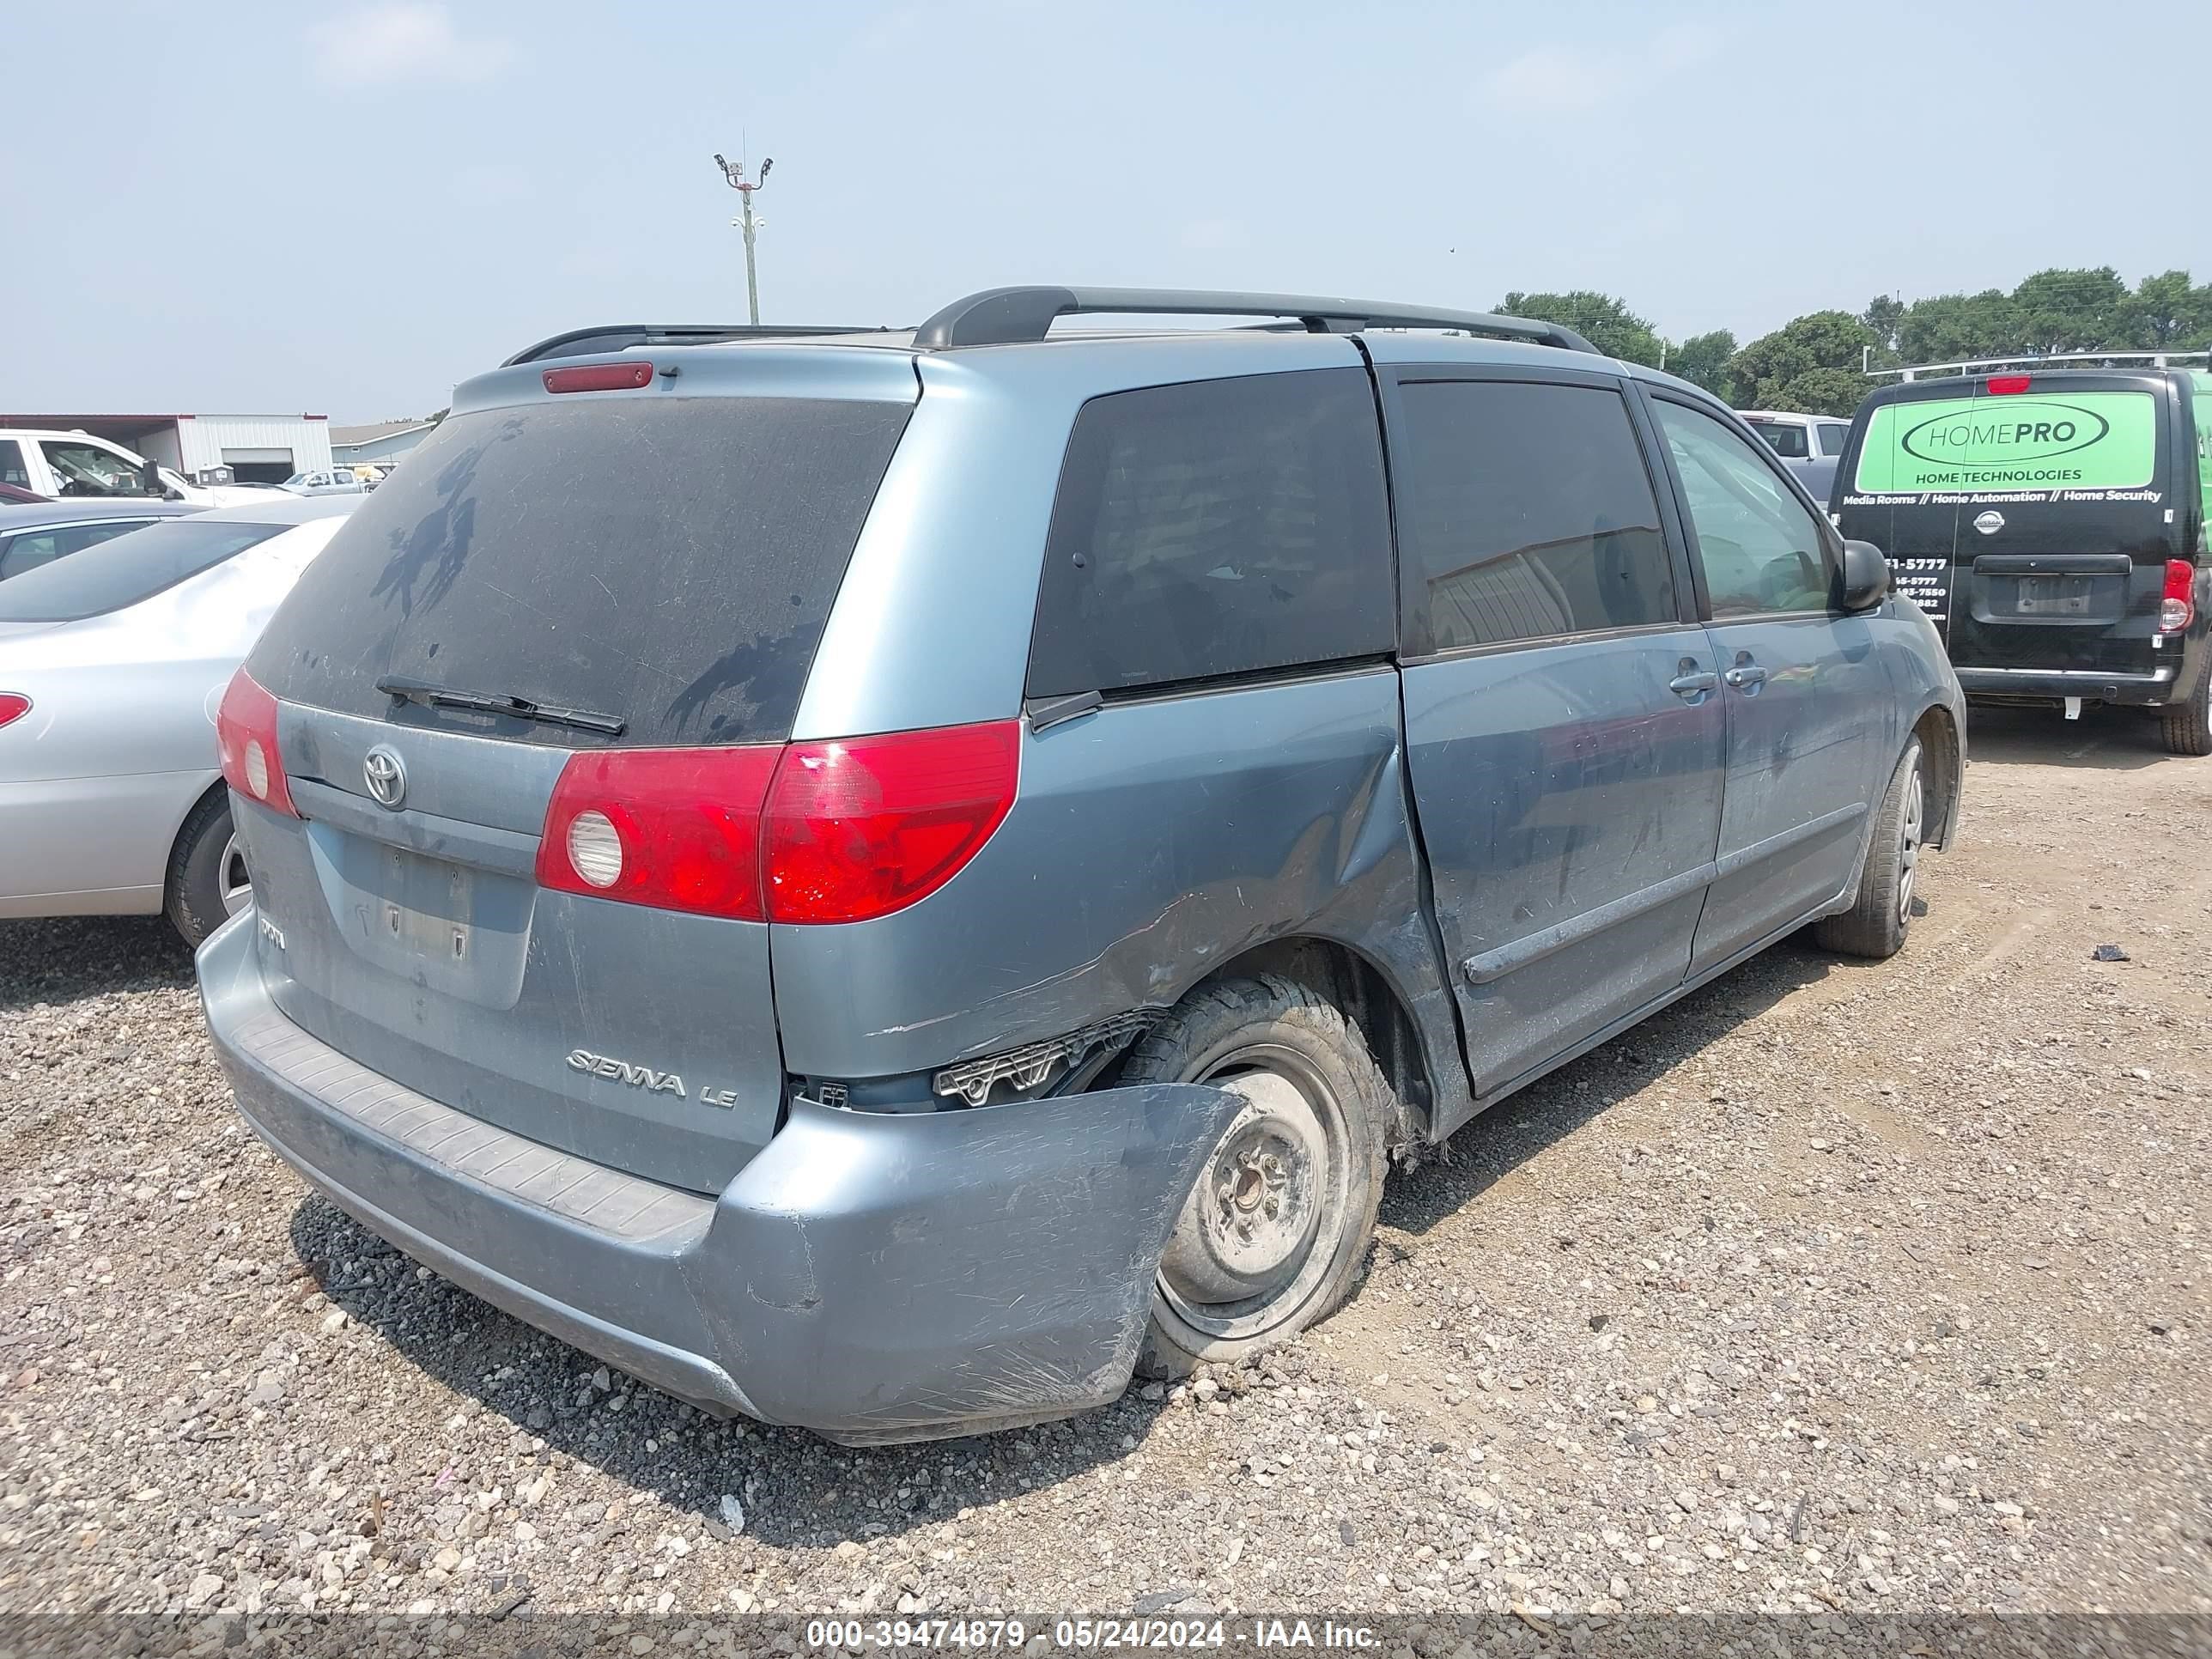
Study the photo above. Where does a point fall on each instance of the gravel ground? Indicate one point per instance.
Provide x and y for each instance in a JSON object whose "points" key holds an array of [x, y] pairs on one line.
{"points": [[1838, 1285]]}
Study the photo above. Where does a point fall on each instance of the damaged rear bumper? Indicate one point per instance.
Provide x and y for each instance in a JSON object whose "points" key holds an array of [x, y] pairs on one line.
{"points": [[873, 1278]]}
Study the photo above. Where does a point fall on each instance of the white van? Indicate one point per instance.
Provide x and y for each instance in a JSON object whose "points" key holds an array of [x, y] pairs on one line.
{"points": [[75, 465]]}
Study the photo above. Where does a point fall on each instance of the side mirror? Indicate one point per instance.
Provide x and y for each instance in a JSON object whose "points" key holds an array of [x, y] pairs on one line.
{"points": [[1866, 576]]}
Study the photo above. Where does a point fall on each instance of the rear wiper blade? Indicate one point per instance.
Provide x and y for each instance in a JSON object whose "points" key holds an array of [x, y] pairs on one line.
{"points": [[484, 702]]}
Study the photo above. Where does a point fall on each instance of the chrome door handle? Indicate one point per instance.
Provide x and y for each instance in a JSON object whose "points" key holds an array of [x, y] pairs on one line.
{"points": [[1745, 676], [1693, 685]]}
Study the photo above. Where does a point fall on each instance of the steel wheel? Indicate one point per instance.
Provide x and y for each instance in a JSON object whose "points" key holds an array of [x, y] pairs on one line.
{"points": [[231, 879], [1908, 843], [1260, 1230]]}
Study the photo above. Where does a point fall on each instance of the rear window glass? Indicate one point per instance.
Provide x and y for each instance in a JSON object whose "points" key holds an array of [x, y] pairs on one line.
{"points": [[1525, 512], [1218, 527], [1785, 440], [127, 569], [2062, 440], [669, 561]]}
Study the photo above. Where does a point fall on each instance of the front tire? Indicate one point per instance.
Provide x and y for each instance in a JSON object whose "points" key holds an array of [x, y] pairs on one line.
{"points": [[1876, 924], [208, 883], [1274, 1232], [2187, 725]]}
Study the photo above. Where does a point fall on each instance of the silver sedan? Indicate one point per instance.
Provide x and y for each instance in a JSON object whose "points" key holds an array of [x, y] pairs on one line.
{"points": [[112, 663]]}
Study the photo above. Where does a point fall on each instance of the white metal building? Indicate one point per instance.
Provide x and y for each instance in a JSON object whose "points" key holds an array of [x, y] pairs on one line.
{"points": [[258, 449], [384, 440]]}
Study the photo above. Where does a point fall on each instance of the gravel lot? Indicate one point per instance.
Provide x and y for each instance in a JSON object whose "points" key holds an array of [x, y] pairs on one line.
{"points": [[1837, 1285]]}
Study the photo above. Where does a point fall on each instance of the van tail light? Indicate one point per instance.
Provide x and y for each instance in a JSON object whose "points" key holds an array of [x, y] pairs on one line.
{"points": [[675, 829], [805, 832], [2179, 608], [246, 739], [13, 706], [2002, 385]]}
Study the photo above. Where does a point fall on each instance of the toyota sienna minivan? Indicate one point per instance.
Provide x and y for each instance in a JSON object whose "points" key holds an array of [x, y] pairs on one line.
{"points": [[882, 883]]}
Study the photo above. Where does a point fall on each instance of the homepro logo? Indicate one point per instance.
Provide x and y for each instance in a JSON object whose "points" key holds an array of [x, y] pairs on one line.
{"points": [[2025, 432]]}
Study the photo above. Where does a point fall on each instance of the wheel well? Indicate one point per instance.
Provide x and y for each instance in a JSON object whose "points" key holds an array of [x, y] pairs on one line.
{"points": [[1940, 751], [177, 835], [1358, 988]]}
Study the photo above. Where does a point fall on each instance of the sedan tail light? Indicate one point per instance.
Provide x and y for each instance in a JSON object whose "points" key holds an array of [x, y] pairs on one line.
{"points": [[806, 832], [13, 706], [2179, 608], [246, 739]]}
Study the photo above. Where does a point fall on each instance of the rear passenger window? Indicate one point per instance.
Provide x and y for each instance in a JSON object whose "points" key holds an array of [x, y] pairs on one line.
{"points": [[1525, 512], [1218, 527]]}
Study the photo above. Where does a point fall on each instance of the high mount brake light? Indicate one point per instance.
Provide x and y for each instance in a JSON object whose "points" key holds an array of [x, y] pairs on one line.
{"points": [[805, 832], [2005, 386], [13, 706], [600, 377], [2178, 608], [246, 740]]}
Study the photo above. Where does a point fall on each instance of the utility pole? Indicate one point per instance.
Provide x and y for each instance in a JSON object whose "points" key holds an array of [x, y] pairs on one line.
{"points": [[734, 173]]}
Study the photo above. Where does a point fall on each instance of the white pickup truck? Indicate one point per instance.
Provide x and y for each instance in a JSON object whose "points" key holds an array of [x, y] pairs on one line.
{"points": [[75, 465]]}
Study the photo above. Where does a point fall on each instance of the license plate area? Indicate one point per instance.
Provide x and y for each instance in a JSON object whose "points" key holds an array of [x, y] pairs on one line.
{"points": [[428, 906], [2055, 596]]}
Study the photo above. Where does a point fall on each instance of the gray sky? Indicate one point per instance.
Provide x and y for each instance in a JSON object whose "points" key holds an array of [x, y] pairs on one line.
{"points": [[245, 207]]}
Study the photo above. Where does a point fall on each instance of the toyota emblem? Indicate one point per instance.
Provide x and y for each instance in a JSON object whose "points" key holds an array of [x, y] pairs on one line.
{"points": [[386, 775]]}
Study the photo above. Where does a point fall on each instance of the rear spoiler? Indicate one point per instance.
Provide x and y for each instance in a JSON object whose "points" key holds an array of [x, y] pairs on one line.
{"points": [[621, 336]]}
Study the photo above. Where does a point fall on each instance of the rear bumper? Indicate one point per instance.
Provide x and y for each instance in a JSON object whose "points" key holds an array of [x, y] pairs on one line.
{"points": [[870, 1278], [2163, 685]]}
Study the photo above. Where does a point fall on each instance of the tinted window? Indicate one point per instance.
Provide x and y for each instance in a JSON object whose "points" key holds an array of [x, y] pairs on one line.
{"points": [[1832, 433], [1220, 527], [127, 569], [668, 561], [1784, 440], [1759, 546], [33, 548], [1524, 511], [13, 469]]}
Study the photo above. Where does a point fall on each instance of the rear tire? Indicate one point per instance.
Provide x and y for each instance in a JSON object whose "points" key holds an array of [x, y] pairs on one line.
{"points": [[1876, 924], [207, 883], [2187, 725], [1276, 1228]]}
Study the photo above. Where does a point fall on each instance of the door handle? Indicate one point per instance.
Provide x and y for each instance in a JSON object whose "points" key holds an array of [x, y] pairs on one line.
{"points": [[1746, 675], [1693, 685]]}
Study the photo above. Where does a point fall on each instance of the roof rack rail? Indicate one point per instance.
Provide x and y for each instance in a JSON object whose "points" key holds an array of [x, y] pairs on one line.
{"points": [[2034, 359], [620, 337], [1007, 316]]}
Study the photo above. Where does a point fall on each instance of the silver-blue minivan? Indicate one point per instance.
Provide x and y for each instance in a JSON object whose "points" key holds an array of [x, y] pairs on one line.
{"points": [[883, 881]]}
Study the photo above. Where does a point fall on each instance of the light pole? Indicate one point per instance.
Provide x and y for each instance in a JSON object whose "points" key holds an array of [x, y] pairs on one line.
{"points": [[734, 171]]}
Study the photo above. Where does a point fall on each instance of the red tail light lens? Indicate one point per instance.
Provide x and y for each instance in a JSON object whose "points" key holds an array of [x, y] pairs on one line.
{"points": [[869, 826], [600, 377], [13, 706], [2003, 386], [246, 739], [810, 832], [676, 828], [2179, 608]]}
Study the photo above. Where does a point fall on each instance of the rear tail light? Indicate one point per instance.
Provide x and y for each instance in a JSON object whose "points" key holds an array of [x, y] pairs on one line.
{"points": [[246, 739], [600, 377], [2179, 608], [2002, 385], [809, 832], [675, 829], [13, 706]]}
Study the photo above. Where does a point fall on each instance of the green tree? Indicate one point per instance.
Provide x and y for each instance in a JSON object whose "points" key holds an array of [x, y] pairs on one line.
{"points": [[1950, 328], [2166, 313], [1703, 360], [2073, 311], [1883, 315], [1811, 364], [1606, 323]]}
